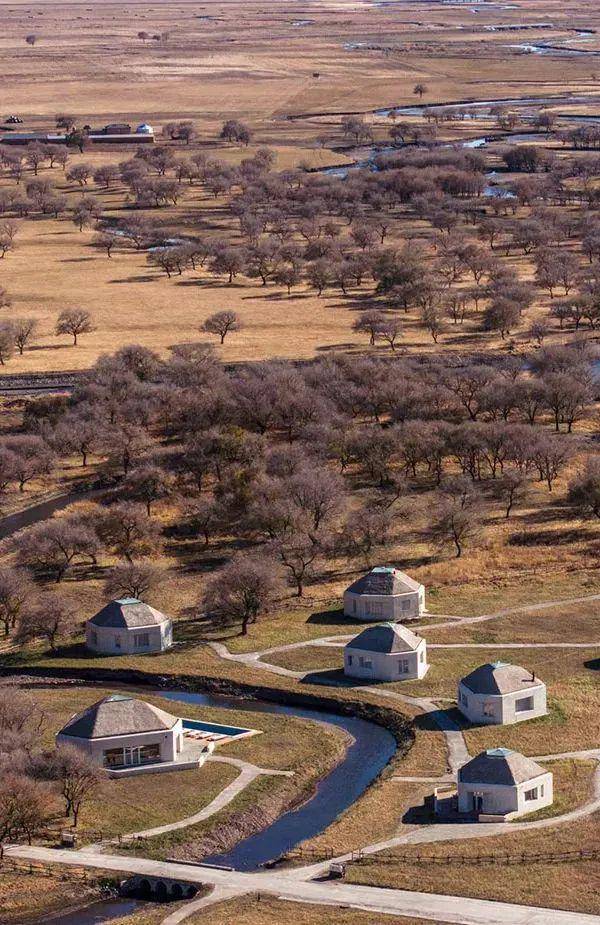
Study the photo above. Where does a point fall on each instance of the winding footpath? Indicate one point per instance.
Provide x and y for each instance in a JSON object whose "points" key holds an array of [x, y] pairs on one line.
{"points": [[299, 884], [248, 773]]}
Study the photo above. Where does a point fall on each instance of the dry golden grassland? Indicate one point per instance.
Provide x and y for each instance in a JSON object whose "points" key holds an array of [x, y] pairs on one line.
{"points": [[567, 885], [135, 803], [267, 910], [239, 60], [33, 897]]}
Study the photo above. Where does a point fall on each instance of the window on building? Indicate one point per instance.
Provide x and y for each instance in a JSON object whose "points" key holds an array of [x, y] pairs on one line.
{"points": [[376, 608], [531, 794], [541, 790], [117, 642], [524, 704], [464, 699], [354, 605], [403, 666], [113, 757], [349, 659], [365, 662], [94, 636], [141, 640], [406, 604], [488, 709], [149, 753], [422, 655]]}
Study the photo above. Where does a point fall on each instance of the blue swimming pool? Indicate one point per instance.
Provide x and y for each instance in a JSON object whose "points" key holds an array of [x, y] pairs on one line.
{"points": [[231, 731]]}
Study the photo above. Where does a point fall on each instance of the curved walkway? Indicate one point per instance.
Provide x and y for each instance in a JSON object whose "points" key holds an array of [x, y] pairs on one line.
{"points": [[248, 773]]}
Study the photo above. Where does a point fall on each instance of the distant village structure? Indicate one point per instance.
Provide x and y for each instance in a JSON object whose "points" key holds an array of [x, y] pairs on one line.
{"points": [[389, 652], [500, 784], [384, 593], [501, 694], [128, 627], [114, 133]]}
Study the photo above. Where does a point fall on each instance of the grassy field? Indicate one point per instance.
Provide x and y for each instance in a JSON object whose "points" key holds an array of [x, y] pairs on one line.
{"points": [[563, 885], [134, 803]]}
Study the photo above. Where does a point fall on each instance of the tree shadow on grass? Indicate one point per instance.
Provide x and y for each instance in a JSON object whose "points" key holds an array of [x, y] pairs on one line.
{"points": [[142, 278], [332, 618]]}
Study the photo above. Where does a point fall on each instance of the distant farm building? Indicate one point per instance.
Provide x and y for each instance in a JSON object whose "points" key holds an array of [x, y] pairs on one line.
{"points": [[113, 133], [385, 593], [502, 694], [501, 784], [388, 652], [128, 627]]}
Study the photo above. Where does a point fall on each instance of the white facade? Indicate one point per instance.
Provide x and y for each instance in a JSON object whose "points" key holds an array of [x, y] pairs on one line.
{"points": [[504, 800], [128, 641], [502, 709], [128, 627], [386, 666], [130, 750]]}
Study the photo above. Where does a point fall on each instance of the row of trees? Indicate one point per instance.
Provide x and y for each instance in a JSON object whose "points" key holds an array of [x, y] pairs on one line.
{"points": [[35, 782], [304, 464]]}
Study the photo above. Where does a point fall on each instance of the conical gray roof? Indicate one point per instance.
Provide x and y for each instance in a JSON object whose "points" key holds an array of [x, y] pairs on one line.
{"points": [[387, 638], [128, 613], [499, 766], [500, 678], [117, 715], [384, 580]]}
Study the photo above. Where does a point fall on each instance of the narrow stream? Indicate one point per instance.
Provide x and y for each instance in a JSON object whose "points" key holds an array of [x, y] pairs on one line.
{"points": [[371, 749]]}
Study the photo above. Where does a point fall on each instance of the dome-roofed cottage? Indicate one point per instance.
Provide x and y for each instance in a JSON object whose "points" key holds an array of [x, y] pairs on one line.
{"points": [[120, 732], [501, 693], [144, 129], [501, 782], [388, 652], [384, 593], [126, 627]]}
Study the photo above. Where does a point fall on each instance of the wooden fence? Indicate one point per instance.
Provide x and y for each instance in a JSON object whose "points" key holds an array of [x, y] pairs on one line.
{"points": [[358, 857]]}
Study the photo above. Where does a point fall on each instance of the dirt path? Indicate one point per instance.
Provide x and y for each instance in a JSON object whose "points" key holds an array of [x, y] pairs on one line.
{"points": [[248, 773]]}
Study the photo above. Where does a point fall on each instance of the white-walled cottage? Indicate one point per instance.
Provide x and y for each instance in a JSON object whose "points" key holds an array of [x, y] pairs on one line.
{"points": [[388, 652], [500, 693], [502, 783], [121, 733], [385, 593], [128, 627]]}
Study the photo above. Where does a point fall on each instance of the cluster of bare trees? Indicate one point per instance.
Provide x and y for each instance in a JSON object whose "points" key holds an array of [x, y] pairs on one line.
{"points": [[301, 464], [39, 789]]}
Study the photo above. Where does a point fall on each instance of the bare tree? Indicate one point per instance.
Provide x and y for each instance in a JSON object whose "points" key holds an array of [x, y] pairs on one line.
{"points": [[78, 777], [148, 484], [32, 457], [55, 545], [50, 620], [242, 590], [74, 321], [24, 331], [132, 579], [126, 528], [584, 488], [221, 323], [16, 590]]}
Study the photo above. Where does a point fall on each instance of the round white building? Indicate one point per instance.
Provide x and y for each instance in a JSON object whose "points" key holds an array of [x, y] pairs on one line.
{"points": [[126, 627], [503, 784], [388, 652], [498, 693], [384, 593]]}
